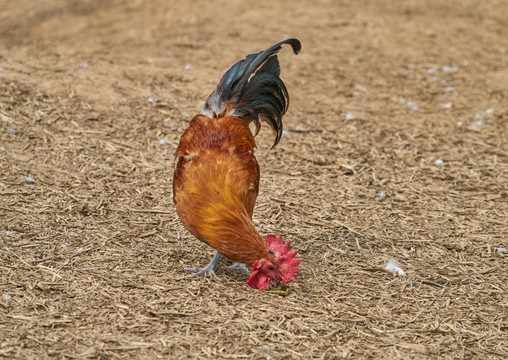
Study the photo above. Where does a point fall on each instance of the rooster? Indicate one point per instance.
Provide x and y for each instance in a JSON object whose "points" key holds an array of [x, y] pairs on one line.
{"points": [[216, 179]]}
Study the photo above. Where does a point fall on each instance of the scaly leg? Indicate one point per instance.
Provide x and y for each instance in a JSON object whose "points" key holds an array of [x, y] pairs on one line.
{"points": [[238, 266], [208, 269]]}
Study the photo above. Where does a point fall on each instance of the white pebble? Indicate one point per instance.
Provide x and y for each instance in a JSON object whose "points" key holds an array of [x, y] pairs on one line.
{"points": [[447, 105], [298, 128], [9, 232], [265, 347], [439, 162], [501, 250], [187, 67], [350, 116], [489, 111], [413, 106], [449, 69], [431, 71], [286, 132], [459, 123], [29, 179], [7, 297], [150, 100], [479, 121], [2, 69], [392, 266], [382, 195], [448, 89], [4, 118], [163, 141], [84, 65], [80, 250]]}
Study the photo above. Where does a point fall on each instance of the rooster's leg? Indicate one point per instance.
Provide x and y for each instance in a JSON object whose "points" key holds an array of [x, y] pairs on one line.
{"points": [[238, 266], [208, 269]]}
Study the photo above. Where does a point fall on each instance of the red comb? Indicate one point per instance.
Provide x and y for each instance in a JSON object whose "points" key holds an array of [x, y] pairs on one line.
{"points": [[288, 264]]}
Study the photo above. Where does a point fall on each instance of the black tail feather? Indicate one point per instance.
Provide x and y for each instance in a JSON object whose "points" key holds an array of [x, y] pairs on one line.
{"points": [[253, 97]]}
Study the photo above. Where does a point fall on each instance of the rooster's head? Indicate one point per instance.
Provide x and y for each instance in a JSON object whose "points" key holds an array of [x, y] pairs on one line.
{"points": [[282, 267]]}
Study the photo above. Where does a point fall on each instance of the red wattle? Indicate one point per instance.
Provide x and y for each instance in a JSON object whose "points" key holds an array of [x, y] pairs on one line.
{"points": [[258, 281]]}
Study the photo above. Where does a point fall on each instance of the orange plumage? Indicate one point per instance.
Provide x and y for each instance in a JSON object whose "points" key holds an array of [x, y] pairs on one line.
{"points": [[216, 184], [216, 180]]}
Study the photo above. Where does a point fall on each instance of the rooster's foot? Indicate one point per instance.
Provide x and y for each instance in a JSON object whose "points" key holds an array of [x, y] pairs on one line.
{"points": [[208, 269]]}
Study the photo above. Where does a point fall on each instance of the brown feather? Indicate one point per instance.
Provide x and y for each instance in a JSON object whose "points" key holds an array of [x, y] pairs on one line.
{"points": [[216, 184]]}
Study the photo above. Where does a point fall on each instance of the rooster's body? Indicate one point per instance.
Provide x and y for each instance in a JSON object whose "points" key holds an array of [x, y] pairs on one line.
{"points": [[216, 180]]}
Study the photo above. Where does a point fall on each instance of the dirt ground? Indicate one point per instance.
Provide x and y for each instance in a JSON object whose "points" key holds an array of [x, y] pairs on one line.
{"points": [[395, 148]]}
